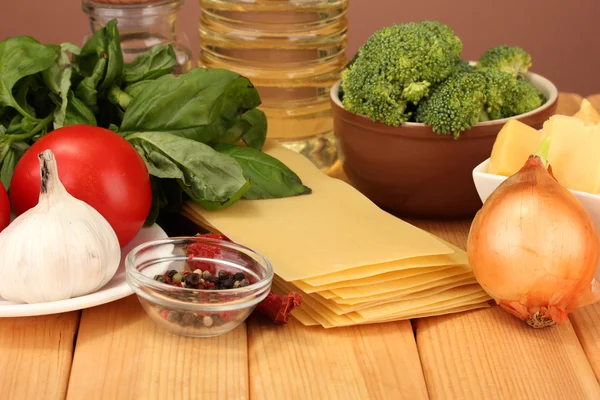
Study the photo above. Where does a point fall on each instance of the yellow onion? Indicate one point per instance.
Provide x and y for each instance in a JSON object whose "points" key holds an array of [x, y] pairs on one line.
{"points": [[533, 246]]}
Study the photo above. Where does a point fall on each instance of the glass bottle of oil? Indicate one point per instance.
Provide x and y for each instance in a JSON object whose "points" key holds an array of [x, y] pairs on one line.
{"points": [[293, 51]]}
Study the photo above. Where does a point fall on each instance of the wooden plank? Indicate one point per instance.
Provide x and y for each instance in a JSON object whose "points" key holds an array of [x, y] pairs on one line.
{"points": [[36, 355], [480, 353], [491, 354], [362, 362], [586, 322], [122, 354]]}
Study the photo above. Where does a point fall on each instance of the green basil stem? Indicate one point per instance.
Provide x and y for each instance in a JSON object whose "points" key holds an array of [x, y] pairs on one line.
{"points": [[119, 97], [24, 113], [98, 72], [14, 129], [542, 151], [41, 125]]}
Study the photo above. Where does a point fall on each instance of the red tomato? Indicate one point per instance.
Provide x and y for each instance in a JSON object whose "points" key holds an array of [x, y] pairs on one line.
{"points": [[95, 165], [4, 208]]}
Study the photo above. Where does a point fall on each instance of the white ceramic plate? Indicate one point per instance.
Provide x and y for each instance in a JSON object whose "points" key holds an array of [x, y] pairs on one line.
{"points": [[115, 289], [486, 183]]}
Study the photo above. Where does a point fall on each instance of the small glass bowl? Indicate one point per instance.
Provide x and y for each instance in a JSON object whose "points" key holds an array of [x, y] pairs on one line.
{"points": [[197, 312]]}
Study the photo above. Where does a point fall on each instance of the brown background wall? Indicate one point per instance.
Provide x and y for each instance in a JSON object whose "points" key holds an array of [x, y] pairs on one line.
{"points": [[562, 36]]}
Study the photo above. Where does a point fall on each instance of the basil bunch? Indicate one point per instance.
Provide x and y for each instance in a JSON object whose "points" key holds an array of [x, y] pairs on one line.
{"points": [[186, 128]]}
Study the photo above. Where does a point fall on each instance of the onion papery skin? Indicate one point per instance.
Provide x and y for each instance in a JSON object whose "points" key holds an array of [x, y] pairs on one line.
{"points": [[534, 248]]}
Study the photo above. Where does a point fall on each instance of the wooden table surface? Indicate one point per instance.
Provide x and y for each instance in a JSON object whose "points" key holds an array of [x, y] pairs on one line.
{"points": [[115, 351]]}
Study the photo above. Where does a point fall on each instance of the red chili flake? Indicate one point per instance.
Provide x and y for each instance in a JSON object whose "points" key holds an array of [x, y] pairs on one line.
{"points": [[204, 250], [278, 308], [209, 285], [226, 315], [164, 314], [219, 236]]}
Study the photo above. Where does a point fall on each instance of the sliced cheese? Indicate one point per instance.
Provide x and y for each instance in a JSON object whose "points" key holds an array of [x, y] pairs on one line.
{"points": [[399, 284], [513, 146], [587, 113], [574, 149], [331, 230], [574, 153]]}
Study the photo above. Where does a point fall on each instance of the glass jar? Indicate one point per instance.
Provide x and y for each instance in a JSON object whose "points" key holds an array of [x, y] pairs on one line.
{"points": [[142, 26], [293, 51]]}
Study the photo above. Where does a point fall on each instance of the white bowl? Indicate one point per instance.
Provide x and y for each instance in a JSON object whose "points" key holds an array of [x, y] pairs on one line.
{"points": [[486, 183]]}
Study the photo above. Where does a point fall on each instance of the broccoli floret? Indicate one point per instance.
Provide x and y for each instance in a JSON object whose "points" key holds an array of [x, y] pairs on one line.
{"points": [[455, 105], [396, 67], [499, 88], [463, 66], [523, 97], [511, 59]]}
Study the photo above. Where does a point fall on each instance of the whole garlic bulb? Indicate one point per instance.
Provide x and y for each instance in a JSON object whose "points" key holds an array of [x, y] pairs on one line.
{"points": [[60, 249]]}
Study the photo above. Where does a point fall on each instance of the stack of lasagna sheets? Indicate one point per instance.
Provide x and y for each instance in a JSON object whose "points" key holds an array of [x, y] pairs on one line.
{"points": [[352, 262]]}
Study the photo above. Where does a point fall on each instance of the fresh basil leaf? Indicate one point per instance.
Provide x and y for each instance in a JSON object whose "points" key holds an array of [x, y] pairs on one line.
{"points": [[207, 174], [270, 177], [20, 92], [10, 154], [213, 205], [152, 64], [86, 89], [20, 125], [76, 112], [4, 146], [100, 62], [158, 164], [159, 201], [200, 105], [6, 115], [136, 88], [39, 96], [115, 64], [257, 134], [9, 162], [20, 57], [119, 97], [71, 48], [58, 79], [251, 127]]}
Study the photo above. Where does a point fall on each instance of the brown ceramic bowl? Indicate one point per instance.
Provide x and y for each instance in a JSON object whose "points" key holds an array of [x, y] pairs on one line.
{"points": [[411, 171]]}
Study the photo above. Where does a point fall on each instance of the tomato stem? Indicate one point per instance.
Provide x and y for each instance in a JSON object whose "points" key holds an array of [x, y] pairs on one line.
{"points": [[543, 149]]}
